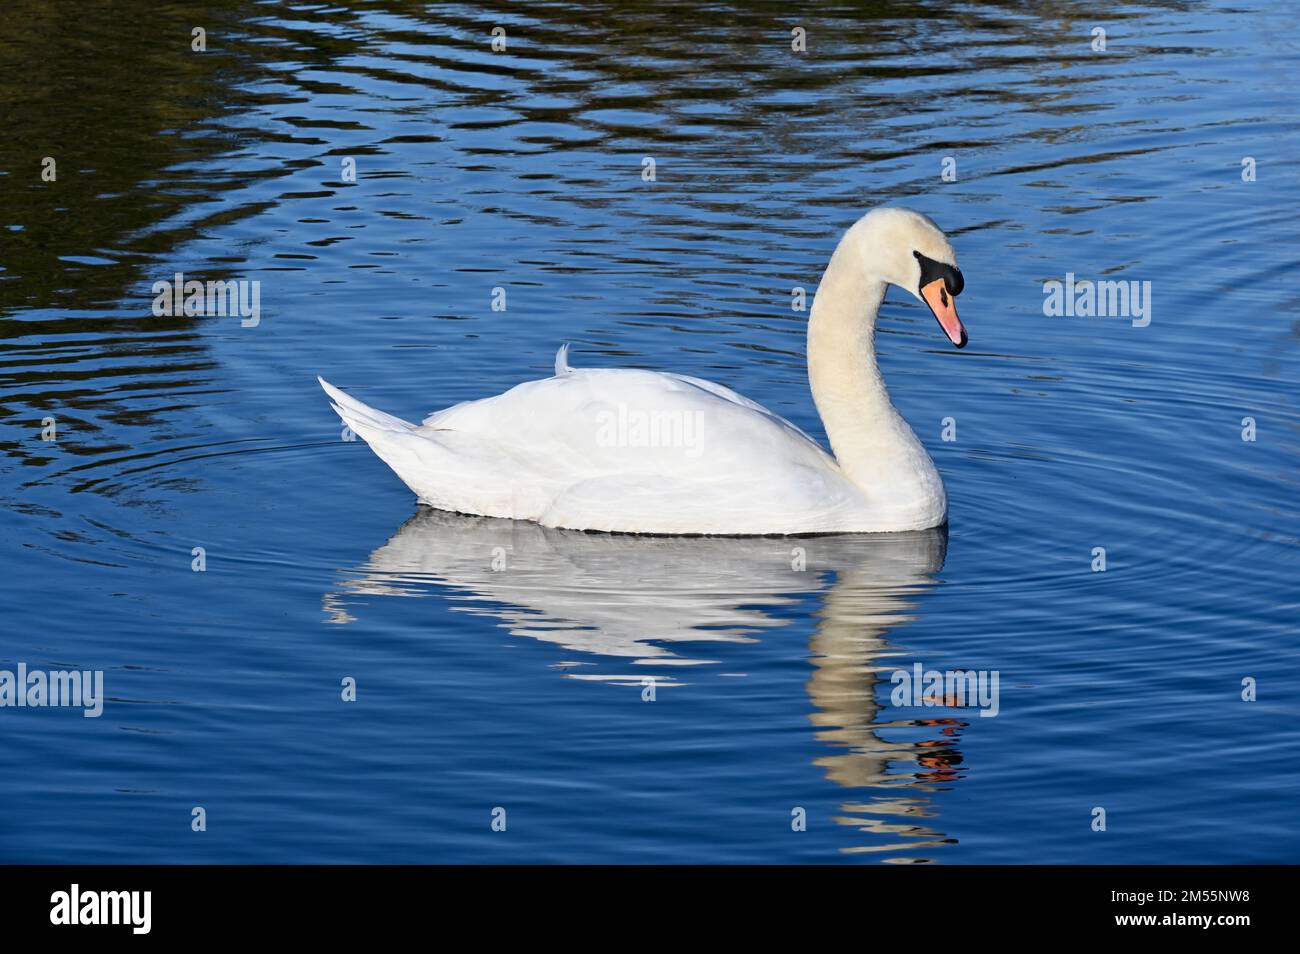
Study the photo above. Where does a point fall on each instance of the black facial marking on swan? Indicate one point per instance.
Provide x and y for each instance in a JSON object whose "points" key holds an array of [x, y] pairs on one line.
{"points": [[931, 270]]}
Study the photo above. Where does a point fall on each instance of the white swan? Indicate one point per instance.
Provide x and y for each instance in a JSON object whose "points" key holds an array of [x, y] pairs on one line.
{"points": [[652, 452]]}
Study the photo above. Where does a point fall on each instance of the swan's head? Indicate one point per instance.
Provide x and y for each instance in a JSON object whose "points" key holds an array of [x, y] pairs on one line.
{"points": [[905, 248]]}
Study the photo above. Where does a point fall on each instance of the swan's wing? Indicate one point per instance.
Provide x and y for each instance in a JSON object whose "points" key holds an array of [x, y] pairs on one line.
{"points": [[589, 423], [623, 449], [730, 395]]}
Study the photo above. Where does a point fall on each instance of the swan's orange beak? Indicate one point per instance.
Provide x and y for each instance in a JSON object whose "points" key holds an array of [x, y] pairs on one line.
{"points": [[944, 307]]}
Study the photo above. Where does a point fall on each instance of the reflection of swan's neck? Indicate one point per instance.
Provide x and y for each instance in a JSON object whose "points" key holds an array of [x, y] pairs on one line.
{"points": [[849, 636], [873, 444], [849, 648]]}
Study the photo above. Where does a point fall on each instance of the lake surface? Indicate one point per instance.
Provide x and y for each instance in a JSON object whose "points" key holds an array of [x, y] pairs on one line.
{"points": [[523, 687]]}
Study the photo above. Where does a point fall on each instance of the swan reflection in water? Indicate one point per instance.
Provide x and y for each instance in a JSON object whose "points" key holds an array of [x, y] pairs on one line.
{"points": [[650, 606]]}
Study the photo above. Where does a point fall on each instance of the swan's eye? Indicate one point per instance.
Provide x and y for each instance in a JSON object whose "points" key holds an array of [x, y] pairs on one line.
{"points": [[932, 271]]}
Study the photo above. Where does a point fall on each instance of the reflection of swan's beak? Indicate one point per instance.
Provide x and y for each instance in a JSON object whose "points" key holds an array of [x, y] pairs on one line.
{"points": [[944, 307]]}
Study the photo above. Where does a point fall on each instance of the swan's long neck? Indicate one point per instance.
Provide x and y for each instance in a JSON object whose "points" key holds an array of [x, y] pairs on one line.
{"points": [[875, 447]]}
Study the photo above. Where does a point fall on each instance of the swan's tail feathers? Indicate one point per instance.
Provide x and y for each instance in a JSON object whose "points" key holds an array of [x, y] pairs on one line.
{"points": [[562, 360], [396, 442], [364, 420]]}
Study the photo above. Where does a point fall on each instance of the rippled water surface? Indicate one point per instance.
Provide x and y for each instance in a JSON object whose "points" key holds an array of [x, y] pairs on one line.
{"points": [[522, 687]]}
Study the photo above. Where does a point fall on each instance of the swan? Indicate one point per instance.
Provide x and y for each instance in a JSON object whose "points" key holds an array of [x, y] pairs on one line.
{"points": [[633, 451]]}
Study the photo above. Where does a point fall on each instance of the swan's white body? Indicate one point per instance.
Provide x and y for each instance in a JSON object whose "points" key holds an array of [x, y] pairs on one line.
{"points": [[650, 452]]}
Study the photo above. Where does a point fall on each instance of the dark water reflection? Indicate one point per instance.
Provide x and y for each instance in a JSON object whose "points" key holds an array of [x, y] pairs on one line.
{"points": [[522, 171]]}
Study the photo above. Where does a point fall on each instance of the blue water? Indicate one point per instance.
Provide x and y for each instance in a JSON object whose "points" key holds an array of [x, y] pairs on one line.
{"points": [[522, 687]]}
